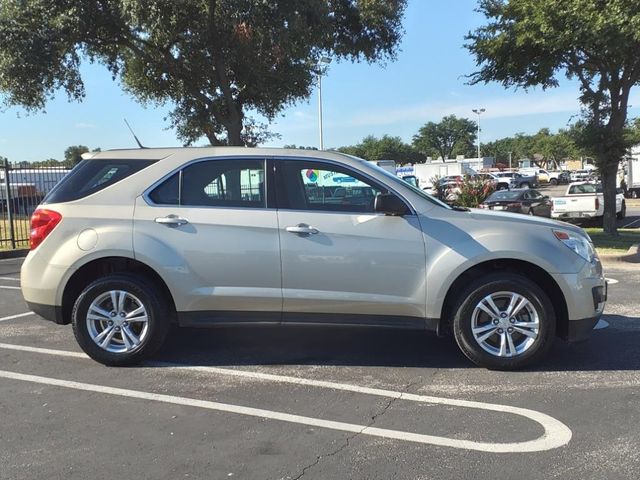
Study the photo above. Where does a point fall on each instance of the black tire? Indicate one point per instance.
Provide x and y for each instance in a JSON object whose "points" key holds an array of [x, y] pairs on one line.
{"points": [[158, 315], [530, 212], [634, 193], [491, 284], [623, 211], [553, 182]]}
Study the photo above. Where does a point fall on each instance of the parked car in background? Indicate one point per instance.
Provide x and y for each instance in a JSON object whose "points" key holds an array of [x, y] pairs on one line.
{"points": [[563, 178], [541, 174], [498, 183], [554, 177], [134, 241], [581, 175], [518, 180], [585, 201], [527, 201]]}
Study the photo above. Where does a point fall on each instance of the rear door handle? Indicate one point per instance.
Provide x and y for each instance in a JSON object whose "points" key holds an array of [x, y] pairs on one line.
{"points": [[172, 220], [302, 229]]}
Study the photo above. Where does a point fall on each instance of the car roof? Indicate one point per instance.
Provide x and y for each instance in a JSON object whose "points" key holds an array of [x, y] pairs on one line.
{"points": [[199, 152]]}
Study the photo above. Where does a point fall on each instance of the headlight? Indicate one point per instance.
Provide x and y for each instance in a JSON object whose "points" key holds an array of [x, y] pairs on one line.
{"points": [[578, 243]]}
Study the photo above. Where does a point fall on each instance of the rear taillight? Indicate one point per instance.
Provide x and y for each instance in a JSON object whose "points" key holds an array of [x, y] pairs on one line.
{"points": [[597, 203], [42, 224]]}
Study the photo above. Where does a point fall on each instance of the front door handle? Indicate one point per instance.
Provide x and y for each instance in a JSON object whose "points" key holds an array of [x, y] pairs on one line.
{"points": [[302, 229], [172, 220]]}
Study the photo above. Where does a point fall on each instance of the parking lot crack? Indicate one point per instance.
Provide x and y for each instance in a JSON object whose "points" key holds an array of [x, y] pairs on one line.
{"points": [[349, 438]]}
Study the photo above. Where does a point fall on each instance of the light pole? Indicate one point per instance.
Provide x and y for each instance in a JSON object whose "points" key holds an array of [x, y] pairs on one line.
{"points": [[478, 111], [321, 69]]}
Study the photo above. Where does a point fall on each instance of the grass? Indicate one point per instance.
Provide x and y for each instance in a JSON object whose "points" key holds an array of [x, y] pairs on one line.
{"points": [[608, 244], [21, 227]]}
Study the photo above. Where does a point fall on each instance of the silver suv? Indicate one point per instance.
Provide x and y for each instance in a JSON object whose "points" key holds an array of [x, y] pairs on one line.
{"points": [[132, 241]]}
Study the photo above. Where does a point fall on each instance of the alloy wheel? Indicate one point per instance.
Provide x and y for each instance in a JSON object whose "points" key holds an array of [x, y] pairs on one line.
{"points": [[505, 324], [117, 321]]}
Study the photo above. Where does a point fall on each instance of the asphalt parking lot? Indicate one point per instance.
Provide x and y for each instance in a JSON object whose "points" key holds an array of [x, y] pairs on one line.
{"points": [[318, 403]]}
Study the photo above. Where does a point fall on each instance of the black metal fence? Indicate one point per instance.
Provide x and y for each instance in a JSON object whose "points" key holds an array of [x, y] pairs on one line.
{"points": [[22, 188]]}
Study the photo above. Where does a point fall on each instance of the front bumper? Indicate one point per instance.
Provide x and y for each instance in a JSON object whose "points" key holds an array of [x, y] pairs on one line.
{"points": [[581, 329], [585, 295]]}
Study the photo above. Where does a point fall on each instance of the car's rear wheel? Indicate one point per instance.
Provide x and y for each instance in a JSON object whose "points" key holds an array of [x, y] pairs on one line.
{"points": [[120, 320], [504, 322], [553, 182], [623, 211]]}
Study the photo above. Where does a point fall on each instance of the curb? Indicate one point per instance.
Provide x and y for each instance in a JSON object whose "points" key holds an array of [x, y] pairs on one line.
{"points": [[632, 256], [14, 253]]}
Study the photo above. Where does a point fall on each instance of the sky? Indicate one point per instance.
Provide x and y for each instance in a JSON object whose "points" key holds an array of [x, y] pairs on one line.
{"points": [[426, 82]]}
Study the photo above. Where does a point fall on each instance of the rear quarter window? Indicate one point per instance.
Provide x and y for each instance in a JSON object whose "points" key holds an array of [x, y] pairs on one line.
{"points": [[91, 176]]}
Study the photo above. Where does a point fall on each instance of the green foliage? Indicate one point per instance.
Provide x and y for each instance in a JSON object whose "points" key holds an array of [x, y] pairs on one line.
{"points": [[212, 60], [385, 148], [73, 154], [450, 137], [533, 42], [51, 162], [546, 149]]}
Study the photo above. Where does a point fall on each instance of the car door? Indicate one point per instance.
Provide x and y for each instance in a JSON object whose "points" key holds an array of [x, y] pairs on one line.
{"points": [[341, 261], [207, 231]]}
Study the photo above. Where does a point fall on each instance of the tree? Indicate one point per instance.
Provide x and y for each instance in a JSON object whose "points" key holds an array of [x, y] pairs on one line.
{"points": [[385, 148], [451, 136], [73, 154], [215, 61], [533, 42]]}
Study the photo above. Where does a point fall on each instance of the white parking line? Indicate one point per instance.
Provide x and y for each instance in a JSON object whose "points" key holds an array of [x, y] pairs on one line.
{"points": [[631, 223], [556, 434], [19, 315], [10, 278], [9, 288]]}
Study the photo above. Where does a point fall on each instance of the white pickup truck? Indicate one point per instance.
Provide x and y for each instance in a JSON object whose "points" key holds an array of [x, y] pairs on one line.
{"points": [[584, 201]]}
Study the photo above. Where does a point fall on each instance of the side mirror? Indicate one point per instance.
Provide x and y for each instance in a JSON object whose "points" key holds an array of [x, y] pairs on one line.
{"points": [[390, 204]]}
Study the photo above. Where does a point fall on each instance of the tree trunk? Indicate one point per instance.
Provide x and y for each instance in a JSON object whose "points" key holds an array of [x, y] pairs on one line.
{"points": [[609, 174], [234, 133]]}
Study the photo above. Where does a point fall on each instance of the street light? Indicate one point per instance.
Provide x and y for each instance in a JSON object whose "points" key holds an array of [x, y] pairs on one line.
{"points": [[322, 63], [478, 111]]}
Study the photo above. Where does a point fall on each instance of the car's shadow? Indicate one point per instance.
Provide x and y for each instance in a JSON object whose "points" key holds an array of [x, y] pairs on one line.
{"points": [[613, 348]]}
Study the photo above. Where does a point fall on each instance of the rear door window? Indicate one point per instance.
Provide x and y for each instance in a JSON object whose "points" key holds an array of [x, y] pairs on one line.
{"points": [[91, 176], [215, 183]]}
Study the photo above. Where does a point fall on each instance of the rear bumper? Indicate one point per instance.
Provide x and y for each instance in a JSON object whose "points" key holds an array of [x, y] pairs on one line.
{"points": [[53, 313]]}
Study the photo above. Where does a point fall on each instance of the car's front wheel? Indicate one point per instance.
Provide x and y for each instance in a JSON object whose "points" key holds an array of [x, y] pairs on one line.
{"points": [[120, 320], [504, 322]]}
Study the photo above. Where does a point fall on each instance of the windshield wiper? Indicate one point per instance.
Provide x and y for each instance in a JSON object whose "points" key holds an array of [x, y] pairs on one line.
{"points": [[459, 209]]}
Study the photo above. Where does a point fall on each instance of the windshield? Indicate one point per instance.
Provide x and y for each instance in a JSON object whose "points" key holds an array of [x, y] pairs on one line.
{"points": [[503, 195]]}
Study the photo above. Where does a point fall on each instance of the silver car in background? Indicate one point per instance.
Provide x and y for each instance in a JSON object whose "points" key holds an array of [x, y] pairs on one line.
{"points": [[132, 241]]}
